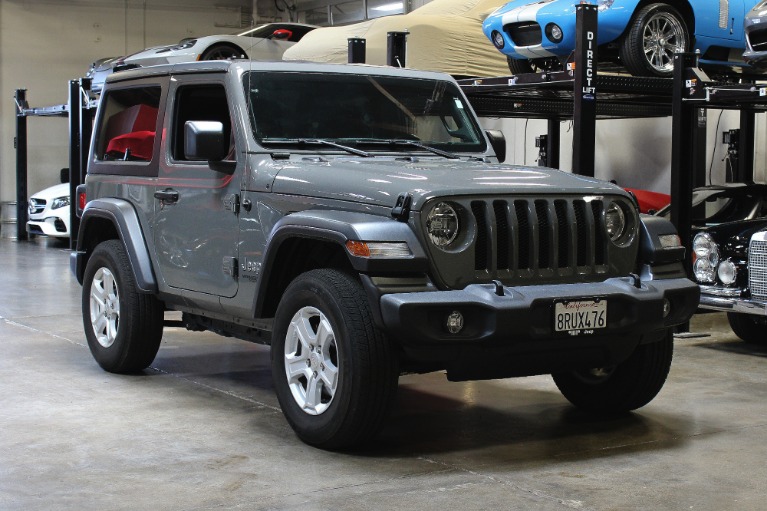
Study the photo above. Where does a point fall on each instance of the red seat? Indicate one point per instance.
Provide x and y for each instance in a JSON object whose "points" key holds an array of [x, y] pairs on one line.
{"points": [[139, 145]]}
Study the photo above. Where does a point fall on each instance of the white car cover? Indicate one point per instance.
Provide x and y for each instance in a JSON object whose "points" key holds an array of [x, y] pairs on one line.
{"points": [[444, 35]]}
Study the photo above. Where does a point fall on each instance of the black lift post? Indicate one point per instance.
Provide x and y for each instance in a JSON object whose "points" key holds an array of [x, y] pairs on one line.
{"points": [[21, 164]]}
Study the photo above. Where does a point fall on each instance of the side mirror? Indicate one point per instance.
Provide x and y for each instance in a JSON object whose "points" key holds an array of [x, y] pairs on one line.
{"points": [[498, 142], [204, 140], [281, 34]]}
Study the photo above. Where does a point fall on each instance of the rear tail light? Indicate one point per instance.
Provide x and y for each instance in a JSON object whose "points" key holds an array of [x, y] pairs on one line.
{"points": [[81, 200]]}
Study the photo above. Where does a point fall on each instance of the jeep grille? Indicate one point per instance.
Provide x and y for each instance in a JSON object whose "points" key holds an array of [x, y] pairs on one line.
{"points": [[531, 235], [757, 269], [531, 240]]}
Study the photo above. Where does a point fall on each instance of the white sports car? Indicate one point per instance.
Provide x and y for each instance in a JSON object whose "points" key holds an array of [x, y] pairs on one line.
{"points": [[265, 42], [49, 212]]}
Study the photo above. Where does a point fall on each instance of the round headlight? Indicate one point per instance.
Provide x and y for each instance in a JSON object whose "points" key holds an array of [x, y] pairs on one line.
{"points": [[442, 224], [727, 272], [498, 39], [615, 221], [704, 271], [704, 247], [553, 32]]}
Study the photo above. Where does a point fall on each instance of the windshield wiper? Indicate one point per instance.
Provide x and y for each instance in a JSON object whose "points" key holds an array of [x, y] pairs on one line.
{"points": [[316, 141], [414, 143]]}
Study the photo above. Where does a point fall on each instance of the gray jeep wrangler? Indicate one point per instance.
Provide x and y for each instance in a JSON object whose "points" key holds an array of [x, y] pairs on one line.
{"points": [[358, 220]]}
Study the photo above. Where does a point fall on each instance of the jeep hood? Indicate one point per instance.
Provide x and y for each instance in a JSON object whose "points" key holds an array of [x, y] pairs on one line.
{"points": [[379, 181]]}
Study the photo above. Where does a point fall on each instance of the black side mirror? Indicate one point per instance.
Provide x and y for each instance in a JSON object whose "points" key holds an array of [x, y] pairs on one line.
{"points": [[204, 140], [498, 142]]}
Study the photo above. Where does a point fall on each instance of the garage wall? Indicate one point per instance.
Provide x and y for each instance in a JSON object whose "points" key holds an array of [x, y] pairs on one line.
{"points": [[45, 43]]}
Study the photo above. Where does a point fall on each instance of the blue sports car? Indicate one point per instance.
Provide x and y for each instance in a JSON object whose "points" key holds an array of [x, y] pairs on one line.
{"points": [[642, 36]]}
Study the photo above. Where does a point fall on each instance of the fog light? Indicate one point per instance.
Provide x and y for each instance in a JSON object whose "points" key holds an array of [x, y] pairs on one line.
{"points": [[553, 32], [727, 272], [666, 307], [498, 39], [455, 322]]}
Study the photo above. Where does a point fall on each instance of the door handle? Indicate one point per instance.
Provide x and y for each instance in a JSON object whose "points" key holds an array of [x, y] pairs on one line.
{"points": [[168, 195]]}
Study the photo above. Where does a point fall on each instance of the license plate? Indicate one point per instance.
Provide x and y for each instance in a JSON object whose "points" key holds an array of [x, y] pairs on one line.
{"points": [[580, 316]]}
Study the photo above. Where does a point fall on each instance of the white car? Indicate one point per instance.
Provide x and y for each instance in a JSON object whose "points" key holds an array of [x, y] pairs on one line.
{"points": [[265, 42], [49, 212]]}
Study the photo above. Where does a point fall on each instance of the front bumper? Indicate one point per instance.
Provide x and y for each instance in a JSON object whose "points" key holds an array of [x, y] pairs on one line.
{"points": [[722, 303], [51, 226], [520, 324]]}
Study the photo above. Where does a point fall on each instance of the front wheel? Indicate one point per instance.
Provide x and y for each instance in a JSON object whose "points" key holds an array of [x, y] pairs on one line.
{"points": [[655, 33], [749, 328], [622, 388], [523, 66], [123, 326], [223, 52], [335, 374]]}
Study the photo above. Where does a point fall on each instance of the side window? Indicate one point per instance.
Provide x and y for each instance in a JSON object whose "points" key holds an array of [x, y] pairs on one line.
{"points": [[200, 103], [128, 124]]}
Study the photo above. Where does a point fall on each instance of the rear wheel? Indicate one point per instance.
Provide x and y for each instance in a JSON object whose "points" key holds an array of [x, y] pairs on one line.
{"points": [[749, 328], [223, 52], [622, 388], [123, 326], [335, 374], [655, 33]]}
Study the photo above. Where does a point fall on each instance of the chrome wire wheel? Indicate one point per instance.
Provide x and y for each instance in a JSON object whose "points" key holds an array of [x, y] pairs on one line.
{"points": [[311, 360], [663, 36], [104, 307]]}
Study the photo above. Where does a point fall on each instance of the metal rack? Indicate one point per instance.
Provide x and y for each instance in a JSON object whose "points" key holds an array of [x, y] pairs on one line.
{"points": [[561, 95], [79, 110]]}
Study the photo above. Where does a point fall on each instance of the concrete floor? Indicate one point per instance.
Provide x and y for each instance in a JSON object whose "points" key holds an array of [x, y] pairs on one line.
{"points": [[201, 429]]}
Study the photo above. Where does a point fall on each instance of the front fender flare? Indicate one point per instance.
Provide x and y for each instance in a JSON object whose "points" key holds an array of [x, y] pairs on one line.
{"points": [[338, 227]]}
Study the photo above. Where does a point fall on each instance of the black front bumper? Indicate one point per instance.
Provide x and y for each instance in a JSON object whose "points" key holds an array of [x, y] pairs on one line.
{"points": [[520, 324]]}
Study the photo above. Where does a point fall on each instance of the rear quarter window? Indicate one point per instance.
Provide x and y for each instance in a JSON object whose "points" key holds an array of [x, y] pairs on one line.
{"points": [[127, 129]]}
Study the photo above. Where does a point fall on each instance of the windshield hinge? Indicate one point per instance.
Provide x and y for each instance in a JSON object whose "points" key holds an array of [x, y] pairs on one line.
{"points": [[401, 210]]}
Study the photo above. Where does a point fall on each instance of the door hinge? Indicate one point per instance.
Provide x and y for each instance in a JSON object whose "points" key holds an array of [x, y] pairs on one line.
{"points": [[230, 266], [232, 203]]}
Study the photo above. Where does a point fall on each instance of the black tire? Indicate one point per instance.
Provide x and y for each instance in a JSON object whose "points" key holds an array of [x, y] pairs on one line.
{"points": [[520, 66], [625, 387], [223, 52], [123, 332], [523, 66], [655, 33], [360, 356], [749, 328]]}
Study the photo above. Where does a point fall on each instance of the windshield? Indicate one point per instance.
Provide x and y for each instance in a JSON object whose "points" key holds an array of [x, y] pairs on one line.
{"points": [[717, 205], [360, 110]]}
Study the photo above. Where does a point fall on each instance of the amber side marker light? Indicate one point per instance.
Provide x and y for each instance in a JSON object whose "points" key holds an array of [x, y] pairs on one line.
{"points": [[378, 249]]}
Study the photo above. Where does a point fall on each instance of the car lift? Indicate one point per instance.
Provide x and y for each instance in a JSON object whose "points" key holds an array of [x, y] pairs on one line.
{"points": [[79, 110]]}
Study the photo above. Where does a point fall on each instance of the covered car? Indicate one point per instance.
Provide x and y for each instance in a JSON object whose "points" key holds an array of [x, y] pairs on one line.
{"points": [[640, 36], [443, 35]]}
